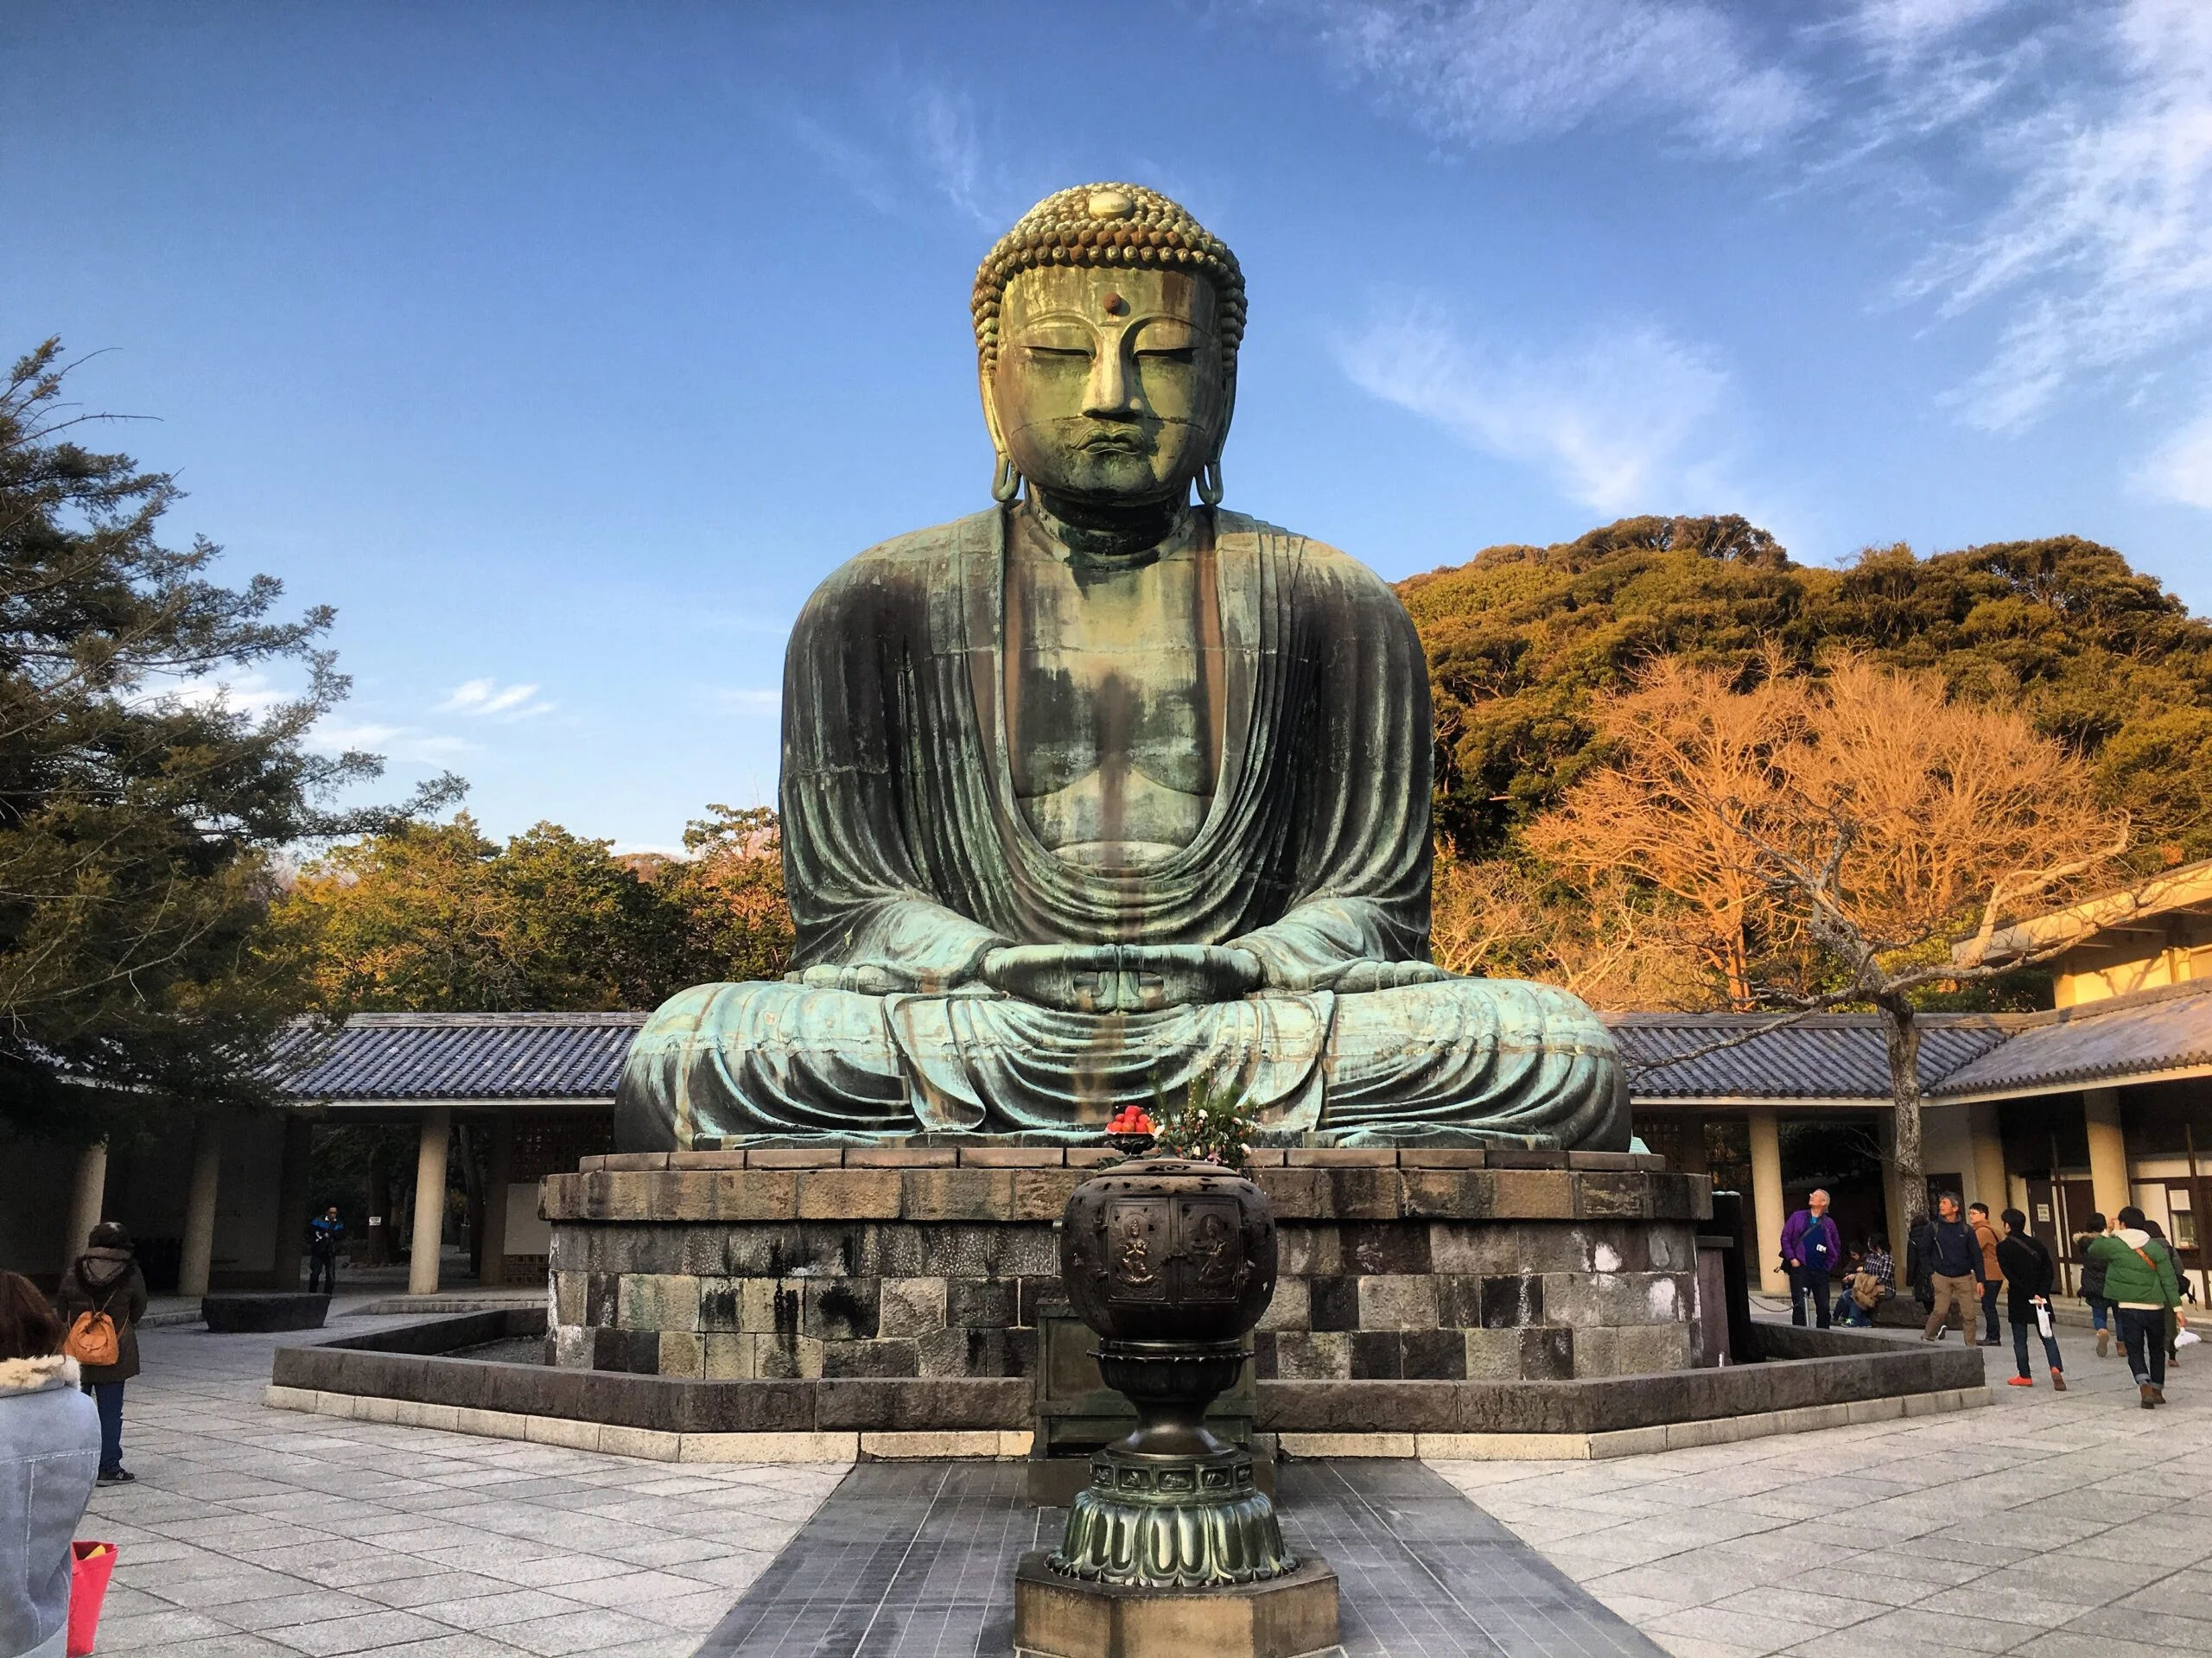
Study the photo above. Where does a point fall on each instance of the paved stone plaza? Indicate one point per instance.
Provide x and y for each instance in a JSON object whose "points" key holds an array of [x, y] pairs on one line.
{"points": [[259, 1533], [2057, 1525], [2050, 1525]]}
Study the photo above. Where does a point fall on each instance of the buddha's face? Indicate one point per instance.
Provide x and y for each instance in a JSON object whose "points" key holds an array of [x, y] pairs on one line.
{"points": [[1110, 387]]}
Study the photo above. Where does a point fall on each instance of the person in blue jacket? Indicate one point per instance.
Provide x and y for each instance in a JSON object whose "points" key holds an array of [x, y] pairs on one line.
{"points": [[324, 1231], [49, 1455], [1811, 1247]]}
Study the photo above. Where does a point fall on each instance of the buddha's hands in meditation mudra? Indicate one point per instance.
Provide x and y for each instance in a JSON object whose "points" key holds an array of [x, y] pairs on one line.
{"points": [[1098, 753], [1126, 978]]}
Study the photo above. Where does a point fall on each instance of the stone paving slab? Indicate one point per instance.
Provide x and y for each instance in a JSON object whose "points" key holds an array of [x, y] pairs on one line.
{"points": [[916, 1560], [2051, 1525], [259, 1533]]}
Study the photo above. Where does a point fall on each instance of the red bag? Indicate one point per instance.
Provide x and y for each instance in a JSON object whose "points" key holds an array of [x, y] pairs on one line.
{"points": [[88, 1574]]}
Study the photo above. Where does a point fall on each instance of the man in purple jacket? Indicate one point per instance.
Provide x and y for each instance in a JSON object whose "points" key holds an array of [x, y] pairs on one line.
{"points": [[1810, 1248]]}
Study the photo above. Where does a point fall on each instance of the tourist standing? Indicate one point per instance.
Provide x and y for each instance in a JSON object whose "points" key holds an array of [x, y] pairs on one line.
{"points": [[2029, 1274], [1993, 1279], [1810, 1248], [49, 1450], [2142, 1283], [322, 1251], [2093, 1282], [104, 1279], [1947, 1261]]}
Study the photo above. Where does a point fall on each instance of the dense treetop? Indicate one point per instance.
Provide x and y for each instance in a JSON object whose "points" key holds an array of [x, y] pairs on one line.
{"points": [[1520, 639]]}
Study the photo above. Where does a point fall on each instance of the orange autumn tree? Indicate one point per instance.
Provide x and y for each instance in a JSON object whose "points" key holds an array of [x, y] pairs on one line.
{"points": [[1601, 937], [1826, 842]]}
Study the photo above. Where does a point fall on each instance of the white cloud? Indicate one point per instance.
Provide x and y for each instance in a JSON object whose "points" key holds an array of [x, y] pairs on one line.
{"points": [[487, 699], [2180, 469], [334, 736], [931, 147], [2105, 239], [1904, 28], [1620, 421], [1505, 71]]}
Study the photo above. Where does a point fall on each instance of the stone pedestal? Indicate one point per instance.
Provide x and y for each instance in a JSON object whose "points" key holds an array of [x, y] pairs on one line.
{"points": [[1065, 1617], [936, 1261]]}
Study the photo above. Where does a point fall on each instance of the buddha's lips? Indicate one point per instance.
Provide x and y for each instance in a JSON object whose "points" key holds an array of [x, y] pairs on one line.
{"points": [[1115, 443]]}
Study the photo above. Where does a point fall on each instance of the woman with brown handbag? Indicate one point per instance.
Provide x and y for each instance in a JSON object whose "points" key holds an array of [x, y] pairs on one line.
{"points": [[103, 1297]]}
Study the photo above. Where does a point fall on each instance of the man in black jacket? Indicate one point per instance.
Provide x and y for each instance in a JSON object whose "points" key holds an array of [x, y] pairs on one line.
{"points": [[2029, 1272], [1947, 1261]]}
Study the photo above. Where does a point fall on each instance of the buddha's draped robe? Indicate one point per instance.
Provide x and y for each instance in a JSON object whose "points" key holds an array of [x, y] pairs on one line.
{"points": [[905, 846]]}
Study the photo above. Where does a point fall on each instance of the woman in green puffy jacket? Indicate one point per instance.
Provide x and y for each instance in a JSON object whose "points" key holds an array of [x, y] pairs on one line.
{"points": [[2142, 1281]]}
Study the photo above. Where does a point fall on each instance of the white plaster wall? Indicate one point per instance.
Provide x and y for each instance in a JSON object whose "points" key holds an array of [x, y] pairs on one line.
{"points": [[1946, 1145]]}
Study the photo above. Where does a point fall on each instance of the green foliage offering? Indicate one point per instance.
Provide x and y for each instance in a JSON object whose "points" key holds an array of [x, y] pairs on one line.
{"points": [[140, 812], [1520, 639], [1216, 1125]]}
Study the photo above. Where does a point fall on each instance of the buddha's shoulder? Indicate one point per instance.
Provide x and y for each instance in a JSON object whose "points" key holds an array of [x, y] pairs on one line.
{"points": [[919, 561], [1310, 563]]}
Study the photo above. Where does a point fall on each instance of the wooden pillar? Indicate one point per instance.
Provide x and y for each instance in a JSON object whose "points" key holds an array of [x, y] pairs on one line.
{"points": [[491, 1272], [292, 1202], [2107, 1150], [199, 1207], [1766, 1200], [429, 1201], [1990, 1184], [85, 1201]]}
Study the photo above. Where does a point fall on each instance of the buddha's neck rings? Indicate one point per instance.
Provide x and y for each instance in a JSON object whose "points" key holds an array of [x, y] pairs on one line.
{"points": [[1117, 534]]}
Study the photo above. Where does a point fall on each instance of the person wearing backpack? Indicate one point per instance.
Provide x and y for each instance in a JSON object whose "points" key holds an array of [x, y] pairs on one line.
{"points": [[1947, 1259], [2142, 1282], [49, 1449], [103, 1297], [2029, 1274], [2093, 1282]]}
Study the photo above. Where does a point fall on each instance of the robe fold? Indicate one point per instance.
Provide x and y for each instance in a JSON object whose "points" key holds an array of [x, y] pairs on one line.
{"points": [[906, 849]]}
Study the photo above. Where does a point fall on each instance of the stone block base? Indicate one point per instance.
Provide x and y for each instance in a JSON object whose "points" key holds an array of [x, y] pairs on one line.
{"points": [[933, 1263], [1289, 1617]]}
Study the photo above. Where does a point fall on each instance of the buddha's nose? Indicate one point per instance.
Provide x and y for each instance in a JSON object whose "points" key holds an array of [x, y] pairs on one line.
{"points": [[1107, 394]]}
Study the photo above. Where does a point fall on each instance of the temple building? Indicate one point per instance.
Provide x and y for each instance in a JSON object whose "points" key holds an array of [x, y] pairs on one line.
{"points": [[2101, 1101]]}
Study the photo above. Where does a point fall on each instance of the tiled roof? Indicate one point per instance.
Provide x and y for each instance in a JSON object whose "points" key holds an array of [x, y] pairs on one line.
{"points": [[378, 1056], [2152, 1031], [1829, 1056]]}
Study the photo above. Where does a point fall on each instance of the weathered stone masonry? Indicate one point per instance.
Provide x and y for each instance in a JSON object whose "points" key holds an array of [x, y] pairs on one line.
{"points": [[936, 1261]]}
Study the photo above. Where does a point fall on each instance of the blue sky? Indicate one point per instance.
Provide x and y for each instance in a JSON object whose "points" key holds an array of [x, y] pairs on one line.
{"points": [[563, 349]]}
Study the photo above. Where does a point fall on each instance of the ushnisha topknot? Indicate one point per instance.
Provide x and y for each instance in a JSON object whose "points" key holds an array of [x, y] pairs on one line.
{"points": [[1109, 225]]}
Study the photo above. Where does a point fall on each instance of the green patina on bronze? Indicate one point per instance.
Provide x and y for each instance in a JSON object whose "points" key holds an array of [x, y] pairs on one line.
{"points": [[1097, 792]]}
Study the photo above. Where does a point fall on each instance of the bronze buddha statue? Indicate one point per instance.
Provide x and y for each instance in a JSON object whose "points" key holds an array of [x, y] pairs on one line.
{"points": [[1101, 791]]}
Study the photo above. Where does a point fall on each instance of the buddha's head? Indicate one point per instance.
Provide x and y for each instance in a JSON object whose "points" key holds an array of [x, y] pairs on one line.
{"points": [[1107, 324]]}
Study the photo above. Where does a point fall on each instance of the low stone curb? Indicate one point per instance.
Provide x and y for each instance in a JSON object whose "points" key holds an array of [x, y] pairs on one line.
{"points": [[1629, 1442], [653, 1444]]}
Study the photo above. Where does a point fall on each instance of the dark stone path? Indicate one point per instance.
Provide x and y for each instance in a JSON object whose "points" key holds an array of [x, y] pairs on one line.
{"points": [[916, 1560]]}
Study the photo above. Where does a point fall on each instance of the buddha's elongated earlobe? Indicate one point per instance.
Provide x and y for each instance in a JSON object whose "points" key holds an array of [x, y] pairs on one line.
{"points": [[1209, 482], [1006, 482]]}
